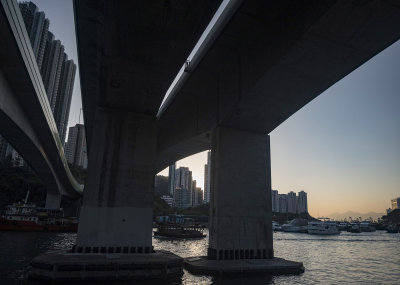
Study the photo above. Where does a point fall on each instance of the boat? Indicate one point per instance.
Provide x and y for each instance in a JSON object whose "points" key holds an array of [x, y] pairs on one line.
{"points": [[393, 229], [296, 226], [181, 231], [354, 228], [343, 226], [26, 216], [367, 227], [324, 227], [276, 226]]}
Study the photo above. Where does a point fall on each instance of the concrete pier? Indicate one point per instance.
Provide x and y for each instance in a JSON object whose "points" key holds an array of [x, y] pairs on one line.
{"points": [[114, 240], [240, 206], [72, 267], [240, 240], [53, 201]]}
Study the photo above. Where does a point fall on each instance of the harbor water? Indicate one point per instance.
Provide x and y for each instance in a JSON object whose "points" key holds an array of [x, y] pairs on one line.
{"points": [[348, 258]]}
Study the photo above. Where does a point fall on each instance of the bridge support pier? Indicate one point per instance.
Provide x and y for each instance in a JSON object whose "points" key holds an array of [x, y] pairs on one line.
{"points": [[53, 201], [240, 207], [115, 224]]}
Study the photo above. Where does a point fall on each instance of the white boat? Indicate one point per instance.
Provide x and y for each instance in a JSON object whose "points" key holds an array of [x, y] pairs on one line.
{"points": [[343, 226], [295, 226], [366, 227], [323, 228], [276, 226]]}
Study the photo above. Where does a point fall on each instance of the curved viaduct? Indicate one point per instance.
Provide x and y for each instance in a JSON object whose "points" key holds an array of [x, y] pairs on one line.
{"points": [[26, 120]]}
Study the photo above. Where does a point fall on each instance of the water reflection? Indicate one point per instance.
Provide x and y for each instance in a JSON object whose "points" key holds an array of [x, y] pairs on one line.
{"points": [[366, 258]]}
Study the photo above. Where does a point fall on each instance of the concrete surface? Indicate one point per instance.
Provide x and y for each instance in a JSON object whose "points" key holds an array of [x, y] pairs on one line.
{"points": [[244, 267], [62, 266], [240, 206]]}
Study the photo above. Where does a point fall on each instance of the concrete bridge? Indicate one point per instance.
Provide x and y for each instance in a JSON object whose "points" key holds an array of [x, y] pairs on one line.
{"points": [[26, 119], [264, 61]]}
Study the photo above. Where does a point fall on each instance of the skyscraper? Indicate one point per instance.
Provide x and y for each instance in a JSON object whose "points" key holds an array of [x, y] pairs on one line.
{"points": [[207, 178], [291, 202], [64, 96], [171, 179], [275, 201], [76, 151], [302, 206]]}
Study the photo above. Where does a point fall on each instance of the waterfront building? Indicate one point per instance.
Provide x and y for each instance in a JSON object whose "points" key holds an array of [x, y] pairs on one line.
{"points": [[58, 73], [302, 206], [76, 149], [64, 96], [181, 198], [171, 179], [193, 195], [168, 199], [207, 178], [291, 202], [275, 201], [283, 203], [395, 203], [199, 196]]}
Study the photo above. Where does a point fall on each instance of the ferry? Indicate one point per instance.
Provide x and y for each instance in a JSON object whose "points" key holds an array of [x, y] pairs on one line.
{"points": [[180, 231], [27, 217]]}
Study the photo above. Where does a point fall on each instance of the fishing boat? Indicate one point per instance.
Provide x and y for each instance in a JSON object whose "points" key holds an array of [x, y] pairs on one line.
{"points": [[26, 216]]}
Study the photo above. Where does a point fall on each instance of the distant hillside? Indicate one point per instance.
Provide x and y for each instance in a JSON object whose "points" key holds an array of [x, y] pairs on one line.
{"points": [[355, 215]]}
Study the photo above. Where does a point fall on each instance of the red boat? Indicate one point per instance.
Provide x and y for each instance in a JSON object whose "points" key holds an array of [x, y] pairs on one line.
{"points": [[28, 217]]}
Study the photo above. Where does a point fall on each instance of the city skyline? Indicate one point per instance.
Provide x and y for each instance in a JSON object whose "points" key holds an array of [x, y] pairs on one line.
{"points": [[341, 148]]}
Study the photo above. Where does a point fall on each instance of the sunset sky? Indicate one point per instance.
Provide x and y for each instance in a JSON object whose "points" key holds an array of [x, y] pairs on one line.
{"points": [[343, 148]]}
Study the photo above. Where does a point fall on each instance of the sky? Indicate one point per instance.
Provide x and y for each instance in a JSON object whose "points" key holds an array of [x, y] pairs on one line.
{"points": [[343, 148]]}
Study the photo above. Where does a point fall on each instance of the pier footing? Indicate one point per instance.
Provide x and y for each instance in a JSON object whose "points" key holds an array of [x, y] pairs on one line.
{"points": [[274, 266], [62, 266]]}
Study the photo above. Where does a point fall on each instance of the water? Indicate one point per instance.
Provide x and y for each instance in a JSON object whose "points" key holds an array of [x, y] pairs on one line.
{"points": [[349, 258]]}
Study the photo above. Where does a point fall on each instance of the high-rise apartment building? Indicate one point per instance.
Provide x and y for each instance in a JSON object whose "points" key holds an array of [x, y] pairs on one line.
{"points": [[395, 203], [76, 150], [58, 73], [171, 179], [207, 178], [283, 203], [181, 198], [291, 202], [302, 206], [275, 201]]}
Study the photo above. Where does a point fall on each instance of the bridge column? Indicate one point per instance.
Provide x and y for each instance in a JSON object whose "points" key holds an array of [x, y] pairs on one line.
{"points": [[117, 211], [240, 209], [53, 201], [114, 239]]}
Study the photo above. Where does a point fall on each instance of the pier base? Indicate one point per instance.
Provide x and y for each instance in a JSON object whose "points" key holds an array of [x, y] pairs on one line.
{"points": [[62, 266], [244, 267]]}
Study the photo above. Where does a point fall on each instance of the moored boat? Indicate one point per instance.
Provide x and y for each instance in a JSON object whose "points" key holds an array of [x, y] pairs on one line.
{"points": [[324, 227], [296, 226], [355, 228], [28, 217], [367, 227]]}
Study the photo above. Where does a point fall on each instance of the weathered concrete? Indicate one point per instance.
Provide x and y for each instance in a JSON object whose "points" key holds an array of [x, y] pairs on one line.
{"points": [[274, 266], [117, 209], [62, 266], [273, 58], [240, 207], [53, 201], [26, 119]]}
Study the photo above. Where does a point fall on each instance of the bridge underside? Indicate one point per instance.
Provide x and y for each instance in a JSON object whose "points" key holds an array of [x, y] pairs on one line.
{"points": [[26, 120]]}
